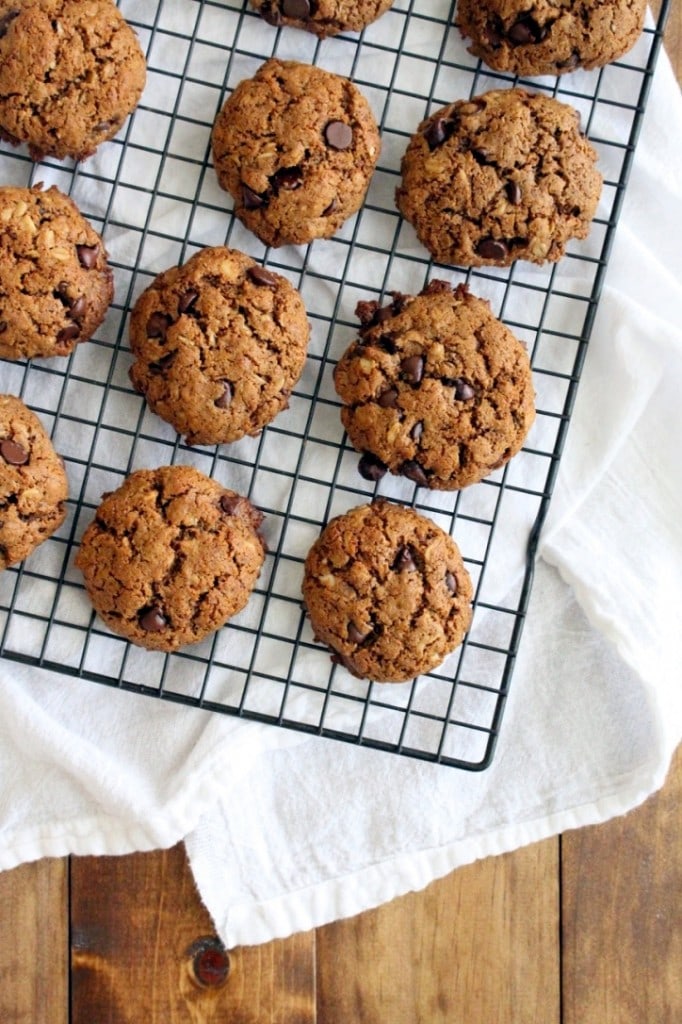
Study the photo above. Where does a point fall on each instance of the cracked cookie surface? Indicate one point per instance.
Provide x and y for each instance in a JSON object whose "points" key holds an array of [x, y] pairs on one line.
{"points": [[33, 482], [323, 17], [219, 343], [506, 175], [55, 282], [170, 556], [549, 37], [386, 589], [70, 73], [435, 389], [295, 146]]}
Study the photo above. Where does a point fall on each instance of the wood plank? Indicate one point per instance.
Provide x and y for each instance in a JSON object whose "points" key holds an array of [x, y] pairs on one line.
{"points": [[140, 937], [481, 944], [34, 980], [622, 917]]}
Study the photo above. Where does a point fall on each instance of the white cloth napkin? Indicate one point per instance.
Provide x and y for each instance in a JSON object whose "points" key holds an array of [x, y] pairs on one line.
{"points": [[285, 832]]}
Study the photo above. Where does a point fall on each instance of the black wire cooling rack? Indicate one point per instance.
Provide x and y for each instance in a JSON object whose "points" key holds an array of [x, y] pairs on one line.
{"points": [[152, 193]]}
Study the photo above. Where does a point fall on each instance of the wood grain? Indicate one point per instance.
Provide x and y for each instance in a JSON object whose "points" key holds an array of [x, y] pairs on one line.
{"points": [[34, 944], [479, 945], [137, 927], [622, 919]]}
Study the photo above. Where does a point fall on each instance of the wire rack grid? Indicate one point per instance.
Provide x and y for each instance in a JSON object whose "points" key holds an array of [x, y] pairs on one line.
{"points": [[153, 194]]}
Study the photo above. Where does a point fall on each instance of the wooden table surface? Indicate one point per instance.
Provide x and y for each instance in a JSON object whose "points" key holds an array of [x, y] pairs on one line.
{"points": [[585, 928]]}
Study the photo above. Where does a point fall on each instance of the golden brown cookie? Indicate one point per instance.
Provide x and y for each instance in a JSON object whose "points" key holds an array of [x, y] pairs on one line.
{"points": [[504, 176], [170, 556], [70, 73], [55, 282], [296, 147], [33, 483], [219, 343], [323, 17], [549, 37], [387, 591], [435, 389]]}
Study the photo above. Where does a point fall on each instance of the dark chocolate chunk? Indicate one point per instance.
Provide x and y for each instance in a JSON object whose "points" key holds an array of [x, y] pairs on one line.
{"points": [[492, 249], [77, 309], [388, 399], [296, 8], [339, 135], [370, 467], [513, 190], [438, 132], [186, 301], [263, 277], [13, 453], [355, 634], [413, 471], [5, 22], [69, 333], [157, 325], [229, 503], [417, 431], [288, 178], [252, 200], [87, 255], [463, 390], [405, 560], [330, 209], [412, 369], [162, 364], [451, 582], [152, 619], [3, 326]]}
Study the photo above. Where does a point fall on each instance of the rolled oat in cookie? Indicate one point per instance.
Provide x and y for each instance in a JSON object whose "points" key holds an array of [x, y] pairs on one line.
{"points": [[322, 17], [219, 344], [55, 283], [71, 71], [296, 147], [435, 389], [386, 589], [33, 482], [504, 176], [549, 37], [170, 556]]}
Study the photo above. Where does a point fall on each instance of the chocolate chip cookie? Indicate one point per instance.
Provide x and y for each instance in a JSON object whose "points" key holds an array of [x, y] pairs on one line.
{"points": [[435, 389], [296, 147], [323, 17], [170, 556], [55, 282], [70, 73], [507, 175], [33, 483], [219, 343], [387, 591], [549, 37]]}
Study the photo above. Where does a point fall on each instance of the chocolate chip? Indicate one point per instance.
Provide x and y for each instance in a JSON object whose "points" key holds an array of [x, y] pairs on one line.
{"points": [[386, 344], [13, 453], [404, 560], [481, 156], [513, 190], [412, 369], [152, 619], [355, 634], [224, 400], [3, 326], [229, 503], [296, 8], [492, 249], [287, 178], [438, 132], [69, 333], [187, 300], [413, 471], [388, 399], [252, 200], [370, 467], [451, 582], [5, 22], [463, 390], [520, 32], [339, 135], [570, 62], [330, 209], [261, 276], [87, 255], [157, 325], [417, 431], [78, 308], [162, 364], [103, 126]]}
